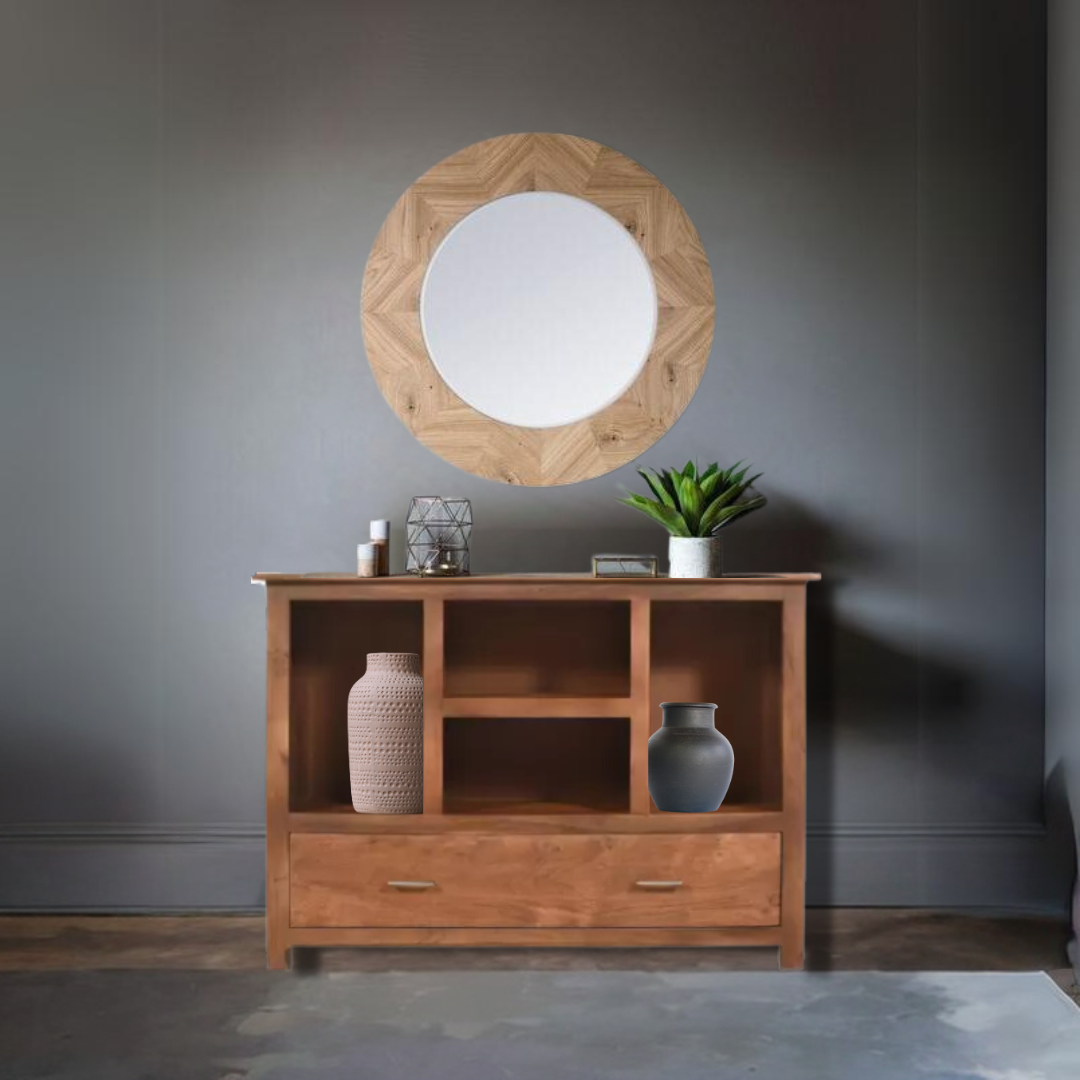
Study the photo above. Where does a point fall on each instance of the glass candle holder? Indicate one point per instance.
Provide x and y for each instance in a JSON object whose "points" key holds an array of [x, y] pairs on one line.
{"points": [[437, 535]]}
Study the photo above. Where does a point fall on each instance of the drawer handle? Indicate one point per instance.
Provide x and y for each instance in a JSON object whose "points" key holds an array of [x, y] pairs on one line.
{"points": [[411, 886], [658, 886]]}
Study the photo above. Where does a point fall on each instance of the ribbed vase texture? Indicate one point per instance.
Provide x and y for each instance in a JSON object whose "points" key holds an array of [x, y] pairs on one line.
{"points": [[386, 736]]}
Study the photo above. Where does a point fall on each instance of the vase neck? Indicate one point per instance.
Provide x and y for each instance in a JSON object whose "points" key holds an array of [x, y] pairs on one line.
{"points": [[689, 714], [402, 662]]}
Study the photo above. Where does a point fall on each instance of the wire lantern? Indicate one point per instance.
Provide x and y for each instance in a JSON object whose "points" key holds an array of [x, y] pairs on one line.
{"points": [[437, 535]]}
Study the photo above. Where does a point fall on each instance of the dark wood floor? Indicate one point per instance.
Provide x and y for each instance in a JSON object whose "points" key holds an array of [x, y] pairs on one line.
{"points": [[838, 939]]}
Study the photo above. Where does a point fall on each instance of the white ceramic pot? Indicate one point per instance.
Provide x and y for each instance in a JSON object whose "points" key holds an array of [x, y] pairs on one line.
{"points": [[695, 557]]}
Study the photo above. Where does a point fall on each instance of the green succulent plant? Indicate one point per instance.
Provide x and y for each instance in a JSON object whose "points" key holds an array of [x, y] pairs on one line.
{"points": [[691, 504]]}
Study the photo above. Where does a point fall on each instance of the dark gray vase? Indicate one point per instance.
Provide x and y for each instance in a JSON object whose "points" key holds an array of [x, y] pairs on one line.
{"points": [[690, 762]]}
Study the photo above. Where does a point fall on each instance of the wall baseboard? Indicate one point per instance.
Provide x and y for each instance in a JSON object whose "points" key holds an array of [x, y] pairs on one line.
{"points": [[925, 831], [132, 868], [168, 868], [134, 833], [1009, 866]]}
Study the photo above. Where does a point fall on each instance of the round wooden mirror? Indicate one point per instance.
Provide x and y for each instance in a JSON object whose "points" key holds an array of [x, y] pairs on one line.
{"points": [[538, 309]]}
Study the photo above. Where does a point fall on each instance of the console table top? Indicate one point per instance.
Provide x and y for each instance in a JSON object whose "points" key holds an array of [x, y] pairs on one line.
{"points": [[338, 578]]}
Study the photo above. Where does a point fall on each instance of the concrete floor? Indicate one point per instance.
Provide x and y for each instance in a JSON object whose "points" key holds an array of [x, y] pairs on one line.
{"points": [[853, 939], [123, 998], [535, 1025]]}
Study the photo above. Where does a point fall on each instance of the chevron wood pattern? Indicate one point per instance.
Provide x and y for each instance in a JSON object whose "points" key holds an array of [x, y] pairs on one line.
{"points": [[410, 382]]}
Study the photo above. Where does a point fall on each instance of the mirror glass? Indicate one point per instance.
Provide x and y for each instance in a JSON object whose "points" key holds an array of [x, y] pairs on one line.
{"points": [[538, 309]]}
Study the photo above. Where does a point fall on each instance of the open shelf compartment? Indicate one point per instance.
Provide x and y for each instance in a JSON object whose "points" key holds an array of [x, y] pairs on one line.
{"points": [[536, 765], [731, 654], [523, 648], [329, 643]]}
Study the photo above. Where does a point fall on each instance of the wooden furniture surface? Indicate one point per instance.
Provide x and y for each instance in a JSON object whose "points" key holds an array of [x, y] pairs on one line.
{"points": [[540, 694], [411, 383], [483, 880]]}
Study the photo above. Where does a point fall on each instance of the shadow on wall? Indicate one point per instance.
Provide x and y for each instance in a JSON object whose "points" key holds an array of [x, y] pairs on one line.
{"points": [[854, 678], [784, 538], [865, 689], [861, 690]]}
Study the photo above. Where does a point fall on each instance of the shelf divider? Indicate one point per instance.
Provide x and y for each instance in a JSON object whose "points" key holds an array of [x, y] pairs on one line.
{"points": [[640, 697], [433, 667]]}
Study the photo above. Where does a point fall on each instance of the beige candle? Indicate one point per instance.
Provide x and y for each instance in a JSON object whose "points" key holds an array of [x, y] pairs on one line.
{"points": [[367, 560]]}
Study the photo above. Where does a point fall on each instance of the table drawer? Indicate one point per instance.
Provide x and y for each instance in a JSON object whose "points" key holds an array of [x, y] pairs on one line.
{"points": [[472, 880]]}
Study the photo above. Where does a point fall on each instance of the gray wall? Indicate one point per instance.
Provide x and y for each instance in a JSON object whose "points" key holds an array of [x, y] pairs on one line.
{"points": [[190, 191], [1063, 429]]}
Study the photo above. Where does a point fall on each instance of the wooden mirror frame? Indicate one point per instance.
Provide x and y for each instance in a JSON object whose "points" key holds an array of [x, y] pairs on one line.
{"points": [[409, 380]]}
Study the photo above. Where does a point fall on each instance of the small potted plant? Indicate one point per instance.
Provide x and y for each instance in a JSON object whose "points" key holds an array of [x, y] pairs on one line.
{"points": [[694, 507]]}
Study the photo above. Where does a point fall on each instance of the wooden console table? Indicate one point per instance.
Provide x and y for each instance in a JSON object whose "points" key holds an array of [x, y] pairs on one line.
{"points": [[540, 693]]}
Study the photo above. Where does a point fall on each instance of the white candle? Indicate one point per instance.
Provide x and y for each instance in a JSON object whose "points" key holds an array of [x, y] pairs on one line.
{"points": [[380, 537]]}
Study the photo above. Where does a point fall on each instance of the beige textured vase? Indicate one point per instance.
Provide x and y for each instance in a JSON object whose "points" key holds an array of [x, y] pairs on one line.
{"points": [[386, 736]]}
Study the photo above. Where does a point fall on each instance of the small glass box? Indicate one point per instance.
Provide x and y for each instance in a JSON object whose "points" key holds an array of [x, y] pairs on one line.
{"points": [[625, 566]]}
